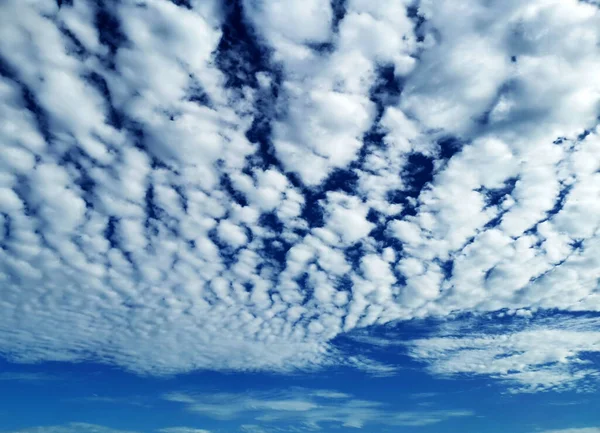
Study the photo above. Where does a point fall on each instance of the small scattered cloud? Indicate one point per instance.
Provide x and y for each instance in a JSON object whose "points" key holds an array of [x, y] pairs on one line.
{"points": [[371, 366], [252, 428], [133, 400], [568, 403], [424, 395]]}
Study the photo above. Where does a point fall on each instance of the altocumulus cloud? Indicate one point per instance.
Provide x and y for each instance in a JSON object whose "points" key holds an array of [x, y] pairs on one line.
{"points": [[232, 187], [533, 356]]}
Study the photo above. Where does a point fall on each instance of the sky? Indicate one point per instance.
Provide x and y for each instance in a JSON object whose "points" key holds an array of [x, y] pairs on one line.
{"points": [[270, 216]]}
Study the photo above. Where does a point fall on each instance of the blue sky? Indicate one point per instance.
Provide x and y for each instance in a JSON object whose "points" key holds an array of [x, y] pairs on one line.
{"points": [[266, 216], [88, 397]]}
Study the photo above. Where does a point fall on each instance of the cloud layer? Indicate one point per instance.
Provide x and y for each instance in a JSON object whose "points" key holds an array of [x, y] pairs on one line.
{"points": [[534, 356], [231, 187]]}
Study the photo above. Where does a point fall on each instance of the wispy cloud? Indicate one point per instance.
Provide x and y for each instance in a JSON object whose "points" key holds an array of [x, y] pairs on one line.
{"points": [[371, 366], [132, 400], [182, 430], [575, 430], [532, 356], [423, 395], [308, 408], [72, 428], [29, 377]]}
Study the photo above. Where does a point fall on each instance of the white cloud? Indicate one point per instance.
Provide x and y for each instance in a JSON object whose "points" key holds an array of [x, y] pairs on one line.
{"points": [[308, 409], [540, 356], [375, 368], [348, 218], [293, 20], [232, 234], [322, 133]]}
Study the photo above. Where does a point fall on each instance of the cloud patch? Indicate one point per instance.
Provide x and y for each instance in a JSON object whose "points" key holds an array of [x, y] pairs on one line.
{"points": [[540, 356], [309, 409]]}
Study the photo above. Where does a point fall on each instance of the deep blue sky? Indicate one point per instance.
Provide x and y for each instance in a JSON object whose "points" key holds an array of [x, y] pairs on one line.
{"points": [[56, 394], [266, 216]]}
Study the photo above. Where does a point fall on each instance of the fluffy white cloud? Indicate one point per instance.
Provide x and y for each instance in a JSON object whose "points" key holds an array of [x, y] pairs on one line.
{"points": [[237, 200]]}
